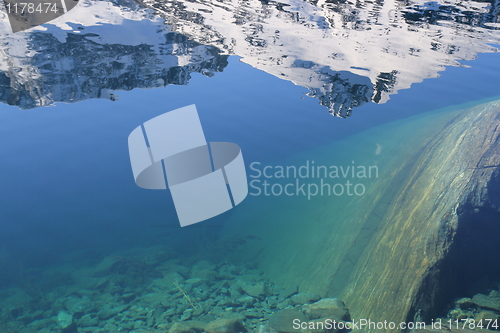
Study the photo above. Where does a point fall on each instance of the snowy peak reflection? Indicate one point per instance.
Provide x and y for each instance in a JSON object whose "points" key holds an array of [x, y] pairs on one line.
{"points": [[345, 52], [112, 47]]}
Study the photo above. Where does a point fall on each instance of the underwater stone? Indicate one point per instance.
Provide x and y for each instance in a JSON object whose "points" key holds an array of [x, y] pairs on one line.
{"points": [[190, 326], [107, 313], [216, 311], [64, 319], [204, 274], [167, 282], [272, 301], [24, 319], [282, 305], [226, 275], [150, 321], [115, 290], [264, 329], [38, 314], [200, 309], [180, 308], [457, 314], [110, 327], [235, 290], [187, 287], [255, 290], [224, 301], [282, 321], [154, 298], [225, 326], [265, 305], [209, 302], [79, 306], [245, 301], [203, 264], [28, 330], [127, 297], [139, 324], [303, 298], [234, 316], [187, 314], [88, 320], [39, 324], [327, 308], [484, 301], [464, 303], [253, 314], [486, 316], [194, 281]]}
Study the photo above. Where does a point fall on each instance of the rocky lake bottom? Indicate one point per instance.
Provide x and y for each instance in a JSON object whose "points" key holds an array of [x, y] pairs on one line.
{"points": [[152, 290]]}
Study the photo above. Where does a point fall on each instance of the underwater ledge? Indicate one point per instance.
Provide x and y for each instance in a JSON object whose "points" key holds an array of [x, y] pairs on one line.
{"points": [[403, 250]]}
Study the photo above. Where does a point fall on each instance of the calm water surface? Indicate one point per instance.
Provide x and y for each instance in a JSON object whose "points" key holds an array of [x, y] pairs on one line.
{"points": [[277, 79]]}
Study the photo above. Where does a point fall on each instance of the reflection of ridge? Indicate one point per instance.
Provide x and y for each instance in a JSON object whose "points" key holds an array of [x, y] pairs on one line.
{"points": [[341, 91], [390, 43], [384, 84], [40, 69], [432, 13]]}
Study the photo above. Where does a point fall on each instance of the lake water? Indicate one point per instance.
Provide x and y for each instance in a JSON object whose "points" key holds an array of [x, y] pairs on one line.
{"points": [[287, 83]]}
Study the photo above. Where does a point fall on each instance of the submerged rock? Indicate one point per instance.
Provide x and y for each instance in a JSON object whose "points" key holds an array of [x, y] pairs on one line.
{"points": [[64, 319], [107, 313], [487, 317], [255, 290], [245, 301], [487, 302], [127, 297], [303, 298], [88, 320], [65, 322], [79, 306], [282, 321], [168, 281], [225, 326], [464, 303], [190, 326], [332, 308], [194, 281]]}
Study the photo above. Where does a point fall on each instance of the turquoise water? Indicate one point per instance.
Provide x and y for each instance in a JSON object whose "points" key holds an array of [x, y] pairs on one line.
{"points": [[69, 201], [76, 188]]}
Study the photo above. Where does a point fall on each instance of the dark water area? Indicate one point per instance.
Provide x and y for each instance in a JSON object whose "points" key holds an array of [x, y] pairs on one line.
{"points": [[330, 81]]}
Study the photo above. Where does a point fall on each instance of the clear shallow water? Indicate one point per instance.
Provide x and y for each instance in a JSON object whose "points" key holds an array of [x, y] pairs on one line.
{"points": [[67, 176], [67, 191]]}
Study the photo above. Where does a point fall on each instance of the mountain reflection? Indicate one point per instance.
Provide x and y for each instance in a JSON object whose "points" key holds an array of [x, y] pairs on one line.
{"points": [[346, 53], [40, 68]]}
